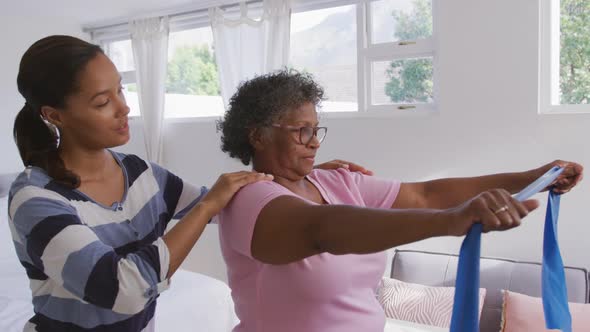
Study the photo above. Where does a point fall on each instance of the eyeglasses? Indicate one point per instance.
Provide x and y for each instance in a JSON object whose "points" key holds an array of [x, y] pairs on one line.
{"points": [[306, 134]]}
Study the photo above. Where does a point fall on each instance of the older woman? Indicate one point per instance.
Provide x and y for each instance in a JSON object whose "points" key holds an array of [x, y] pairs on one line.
{"points": [[305, 251]]}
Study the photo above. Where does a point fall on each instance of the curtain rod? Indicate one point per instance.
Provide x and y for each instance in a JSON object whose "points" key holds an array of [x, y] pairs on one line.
{"points": [[178, 13]]}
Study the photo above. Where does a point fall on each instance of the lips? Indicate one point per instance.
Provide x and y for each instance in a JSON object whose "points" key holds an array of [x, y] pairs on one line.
{"points": [[123, 127]]}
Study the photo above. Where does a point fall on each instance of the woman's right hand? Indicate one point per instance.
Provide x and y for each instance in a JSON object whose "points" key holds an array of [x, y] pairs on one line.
{"points": [[495, 209], [226, 186]]}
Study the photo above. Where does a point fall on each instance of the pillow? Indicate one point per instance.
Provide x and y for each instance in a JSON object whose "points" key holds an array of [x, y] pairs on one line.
{"points": [[523, 313], [418, 303]]}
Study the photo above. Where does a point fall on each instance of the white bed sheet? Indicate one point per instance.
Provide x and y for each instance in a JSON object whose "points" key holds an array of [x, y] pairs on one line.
{"points": [[194, 301]]}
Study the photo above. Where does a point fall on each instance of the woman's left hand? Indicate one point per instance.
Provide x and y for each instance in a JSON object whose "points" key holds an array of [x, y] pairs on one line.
{"points": [[569, 178], [337, 163]]}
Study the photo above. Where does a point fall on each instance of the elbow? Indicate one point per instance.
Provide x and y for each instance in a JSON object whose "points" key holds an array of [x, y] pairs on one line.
{"points": [[138, 286], [123, 286], [130, 302]]}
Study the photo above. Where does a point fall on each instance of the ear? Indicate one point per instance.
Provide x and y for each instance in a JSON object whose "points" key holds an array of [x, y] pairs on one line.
{"points": [[257, 138], [52, 115]]}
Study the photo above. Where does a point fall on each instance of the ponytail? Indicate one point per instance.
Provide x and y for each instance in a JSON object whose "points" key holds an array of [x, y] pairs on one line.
{"points": [[49, 73], [37, 145]]}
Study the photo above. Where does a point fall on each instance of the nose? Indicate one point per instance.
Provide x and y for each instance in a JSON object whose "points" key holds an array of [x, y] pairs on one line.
{"points": [[314, 143], [122, 108]]}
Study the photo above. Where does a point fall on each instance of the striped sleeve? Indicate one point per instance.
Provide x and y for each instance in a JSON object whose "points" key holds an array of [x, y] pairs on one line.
{"points": [[70, 253], [180, 196]]}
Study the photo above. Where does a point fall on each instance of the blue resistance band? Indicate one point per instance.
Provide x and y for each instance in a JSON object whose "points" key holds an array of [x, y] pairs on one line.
{"points": [[465, 316]]}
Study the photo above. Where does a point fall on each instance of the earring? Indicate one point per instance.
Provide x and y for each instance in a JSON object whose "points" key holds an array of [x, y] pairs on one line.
{"points": [[55, 131]]}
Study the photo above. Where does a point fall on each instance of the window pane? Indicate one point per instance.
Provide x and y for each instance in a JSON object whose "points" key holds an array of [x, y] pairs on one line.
{"points": [[323, 43], [398, 20], [121, 53], [575, 52], [130, 92], [405, 81], [192, 83]]}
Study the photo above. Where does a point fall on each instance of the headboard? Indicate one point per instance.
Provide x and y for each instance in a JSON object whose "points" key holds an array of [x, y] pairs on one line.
{"points": [[437, 269]]}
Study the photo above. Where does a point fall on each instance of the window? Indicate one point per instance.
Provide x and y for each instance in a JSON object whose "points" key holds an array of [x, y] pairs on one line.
{"points": [[383, 62], [565, 56], [121, 53], [324, 43], [192, 83], [370, 56], [397, 55]]}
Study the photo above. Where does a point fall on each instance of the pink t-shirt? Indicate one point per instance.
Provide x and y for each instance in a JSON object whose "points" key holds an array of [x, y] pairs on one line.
{"points": [[321, 293]]}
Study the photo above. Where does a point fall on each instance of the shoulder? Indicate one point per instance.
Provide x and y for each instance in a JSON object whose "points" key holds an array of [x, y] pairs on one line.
{"points": [[31, 182], [334, 176], [258, 190], [33, 188], [252, 198], [30, 176]]}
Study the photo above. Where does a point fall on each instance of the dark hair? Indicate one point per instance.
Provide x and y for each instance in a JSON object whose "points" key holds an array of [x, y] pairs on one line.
{"points": [[48, 74], [260, 101]]}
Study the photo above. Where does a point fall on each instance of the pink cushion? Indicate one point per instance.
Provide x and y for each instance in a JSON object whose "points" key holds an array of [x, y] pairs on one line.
{"points": [[418, 303], [523, 313]]}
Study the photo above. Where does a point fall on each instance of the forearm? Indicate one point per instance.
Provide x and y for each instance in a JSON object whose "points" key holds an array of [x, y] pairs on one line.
{"points": [[183, 236], [343, 229], [445, 193]]}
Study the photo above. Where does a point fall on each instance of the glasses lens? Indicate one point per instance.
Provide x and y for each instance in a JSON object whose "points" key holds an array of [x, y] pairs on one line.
{"points": [[306, 134], [321, 134]]}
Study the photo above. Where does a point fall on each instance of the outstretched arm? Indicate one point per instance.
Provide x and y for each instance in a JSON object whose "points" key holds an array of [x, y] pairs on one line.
{"points": [[289, 229], [444, 193]]}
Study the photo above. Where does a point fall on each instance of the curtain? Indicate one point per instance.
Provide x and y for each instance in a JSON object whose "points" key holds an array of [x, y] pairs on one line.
{"points": [[149, 38], [248, 46]]}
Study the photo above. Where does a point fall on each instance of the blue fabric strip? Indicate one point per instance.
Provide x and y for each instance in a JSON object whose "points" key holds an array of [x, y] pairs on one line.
{"points": [[465, 316], [554, 289], [466, 305]]}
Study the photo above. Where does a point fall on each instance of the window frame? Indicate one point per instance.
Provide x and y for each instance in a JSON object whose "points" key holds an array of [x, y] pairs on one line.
{"points": [[369, 52], [549, 62], [366, 54]]}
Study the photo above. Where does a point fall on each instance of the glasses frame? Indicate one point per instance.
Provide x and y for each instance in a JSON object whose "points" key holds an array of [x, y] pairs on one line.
{"points": [[300, 129]]}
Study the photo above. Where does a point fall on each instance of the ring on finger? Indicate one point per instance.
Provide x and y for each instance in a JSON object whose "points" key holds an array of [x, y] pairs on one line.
{"points": [[501, 209]]}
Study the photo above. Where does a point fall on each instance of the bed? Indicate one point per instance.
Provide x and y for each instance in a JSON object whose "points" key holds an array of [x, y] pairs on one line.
{"points": [[194, 302], [437, 269]]}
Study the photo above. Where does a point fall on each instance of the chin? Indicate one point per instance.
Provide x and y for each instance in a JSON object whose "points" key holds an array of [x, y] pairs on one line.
{"points": [[118, 142], [306, 170]]}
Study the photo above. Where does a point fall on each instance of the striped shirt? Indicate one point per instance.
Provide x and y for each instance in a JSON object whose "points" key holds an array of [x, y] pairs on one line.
{"points": [[93, 267]]}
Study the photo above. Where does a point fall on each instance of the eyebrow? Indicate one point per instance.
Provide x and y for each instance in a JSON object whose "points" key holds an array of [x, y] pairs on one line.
{"points": [[104, 91]]}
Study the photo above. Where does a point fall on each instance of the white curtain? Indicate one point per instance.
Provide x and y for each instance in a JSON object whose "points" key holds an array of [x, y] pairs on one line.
{"points": [[246, 46], [149, 39]]}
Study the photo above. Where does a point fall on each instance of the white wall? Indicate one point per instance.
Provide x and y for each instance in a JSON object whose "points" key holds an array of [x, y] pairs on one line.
{"points": [[17, 33], [487, 122]]}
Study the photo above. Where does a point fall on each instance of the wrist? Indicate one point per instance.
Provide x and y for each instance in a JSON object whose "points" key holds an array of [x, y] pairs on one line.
{"points": [[533, 174], [207, 208], [442, 223]]}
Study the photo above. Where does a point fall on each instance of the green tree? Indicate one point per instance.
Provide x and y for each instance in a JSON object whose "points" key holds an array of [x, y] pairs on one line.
{"points": [[410, 80], [192, 70], [574, 69]]}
